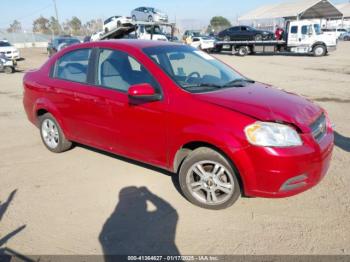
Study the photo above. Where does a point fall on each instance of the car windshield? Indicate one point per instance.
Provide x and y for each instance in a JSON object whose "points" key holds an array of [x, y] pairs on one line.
{"points": [[317, 28], [155, 10], [4, 44], [194, 70], [156, 31]]}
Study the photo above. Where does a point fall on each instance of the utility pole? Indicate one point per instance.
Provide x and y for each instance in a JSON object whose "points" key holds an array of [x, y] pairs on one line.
{"points": [[56, 12]]}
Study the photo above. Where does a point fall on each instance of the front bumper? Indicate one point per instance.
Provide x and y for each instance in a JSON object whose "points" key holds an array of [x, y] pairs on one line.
{"points": [[13, 56], [284, 172]]}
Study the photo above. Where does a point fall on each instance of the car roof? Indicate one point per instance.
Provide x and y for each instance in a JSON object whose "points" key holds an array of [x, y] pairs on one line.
{"points": [[132, 43]]}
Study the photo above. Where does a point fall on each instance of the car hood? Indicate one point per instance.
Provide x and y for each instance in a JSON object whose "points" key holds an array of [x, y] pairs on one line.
{"points": [[8, 48], [266, 103]]}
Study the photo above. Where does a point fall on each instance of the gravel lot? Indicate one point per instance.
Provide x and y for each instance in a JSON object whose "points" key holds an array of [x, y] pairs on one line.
{"points": [[74, 202]]}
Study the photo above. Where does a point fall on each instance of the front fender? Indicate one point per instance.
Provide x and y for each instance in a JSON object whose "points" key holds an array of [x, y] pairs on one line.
{"points": [[225, 141]]}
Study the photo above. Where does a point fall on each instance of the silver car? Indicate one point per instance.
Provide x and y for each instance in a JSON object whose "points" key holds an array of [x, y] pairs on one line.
{"points": [[148, 14]]}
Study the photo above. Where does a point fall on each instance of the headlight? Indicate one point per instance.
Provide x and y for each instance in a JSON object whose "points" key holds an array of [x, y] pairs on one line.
{"points": [[272, 135]]}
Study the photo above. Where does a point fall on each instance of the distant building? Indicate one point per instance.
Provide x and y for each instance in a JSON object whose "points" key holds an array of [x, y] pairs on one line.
{"points": [[269, 16]]}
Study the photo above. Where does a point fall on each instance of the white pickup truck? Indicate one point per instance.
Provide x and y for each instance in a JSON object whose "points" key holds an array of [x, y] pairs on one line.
{"points": [[300, 37]]}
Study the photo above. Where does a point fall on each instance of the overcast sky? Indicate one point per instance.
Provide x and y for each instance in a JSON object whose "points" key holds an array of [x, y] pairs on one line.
{"points": [[27, 10]]}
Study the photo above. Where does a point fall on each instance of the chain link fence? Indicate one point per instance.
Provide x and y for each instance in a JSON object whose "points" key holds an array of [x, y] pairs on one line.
{"points": [[27, 39]]}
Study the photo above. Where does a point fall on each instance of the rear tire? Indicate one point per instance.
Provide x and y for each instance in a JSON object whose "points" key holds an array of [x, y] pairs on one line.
{"points": [[208, 180], [227, 38], [52, 135], [319, 50]]}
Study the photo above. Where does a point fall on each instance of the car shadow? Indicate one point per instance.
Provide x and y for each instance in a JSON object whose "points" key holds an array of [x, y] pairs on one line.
{"points": [[141, 224], [341, 141], [174, 176], [4, 251]]}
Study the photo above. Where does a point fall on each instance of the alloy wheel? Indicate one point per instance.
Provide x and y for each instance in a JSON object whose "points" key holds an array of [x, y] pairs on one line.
{"points": [[50, 133], [210, 182]]}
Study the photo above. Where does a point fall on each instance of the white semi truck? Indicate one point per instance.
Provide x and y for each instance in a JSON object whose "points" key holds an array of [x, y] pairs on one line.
{"points": [[300, 37]]}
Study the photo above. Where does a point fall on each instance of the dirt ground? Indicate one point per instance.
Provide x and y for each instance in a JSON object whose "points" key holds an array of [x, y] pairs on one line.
{"points": [[88, 202]]}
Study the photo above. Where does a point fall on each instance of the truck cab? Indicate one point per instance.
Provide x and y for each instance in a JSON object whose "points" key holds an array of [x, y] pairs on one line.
{"points": [[150, 32], [305, 36]]}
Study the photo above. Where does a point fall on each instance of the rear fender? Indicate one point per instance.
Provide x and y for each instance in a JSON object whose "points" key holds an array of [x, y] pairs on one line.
{"points": [[47, 105]]}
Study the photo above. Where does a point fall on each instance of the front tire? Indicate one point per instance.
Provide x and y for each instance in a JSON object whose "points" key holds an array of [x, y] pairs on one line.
{"points": [[208, 180], [319, 50], [9, 70], [52, 135], [258, 37]]}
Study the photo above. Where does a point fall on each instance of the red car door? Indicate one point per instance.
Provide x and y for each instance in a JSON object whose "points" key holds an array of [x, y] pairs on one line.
{"points": [[84, 107], [140, 128]]}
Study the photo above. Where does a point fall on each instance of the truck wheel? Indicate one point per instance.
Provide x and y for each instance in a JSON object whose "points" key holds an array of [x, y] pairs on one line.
{"points": [[9, 70], [208, 180], [242, 51], [52, 135], [319, 50]]}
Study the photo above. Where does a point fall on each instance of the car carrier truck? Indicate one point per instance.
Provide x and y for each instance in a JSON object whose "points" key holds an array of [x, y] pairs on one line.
{"points": [[138, 30], [300, 37]]}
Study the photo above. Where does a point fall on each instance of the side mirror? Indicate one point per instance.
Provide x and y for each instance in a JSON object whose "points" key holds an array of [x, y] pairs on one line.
{"points": [[143, 92]]}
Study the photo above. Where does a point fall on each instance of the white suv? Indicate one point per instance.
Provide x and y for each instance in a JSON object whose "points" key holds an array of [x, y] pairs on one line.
{"points": [[148, 14], [115, 22], [8, 50]]}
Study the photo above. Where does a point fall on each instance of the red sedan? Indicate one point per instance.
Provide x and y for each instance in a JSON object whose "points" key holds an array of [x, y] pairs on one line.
{"points": [[180, 109]]}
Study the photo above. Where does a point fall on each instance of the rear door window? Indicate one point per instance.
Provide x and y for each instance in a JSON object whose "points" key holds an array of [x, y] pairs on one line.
{"points": [[73, 66]]}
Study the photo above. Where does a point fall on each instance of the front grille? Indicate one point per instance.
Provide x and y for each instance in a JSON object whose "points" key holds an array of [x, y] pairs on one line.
{"points": [[319, 127]]}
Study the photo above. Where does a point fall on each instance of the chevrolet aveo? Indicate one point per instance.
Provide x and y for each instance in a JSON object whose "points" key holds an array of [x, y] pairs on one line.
{"points": [[177, 108]]}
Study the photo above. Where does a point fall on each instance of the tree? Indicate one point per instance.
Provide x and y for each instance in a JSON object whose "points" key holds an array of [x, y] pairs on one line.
{"points": [[41, 25], [92, 26], [218, 23], [54, 26], [75, 25], [15, 27]]}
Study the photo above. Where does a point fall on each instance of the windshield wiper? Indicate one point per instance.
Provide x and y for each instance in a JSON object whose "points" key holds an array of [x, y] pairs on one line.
{"points": [[204, 85], [238, 82]]}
